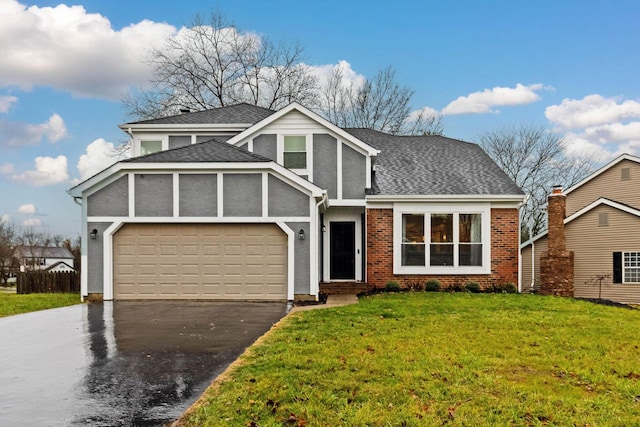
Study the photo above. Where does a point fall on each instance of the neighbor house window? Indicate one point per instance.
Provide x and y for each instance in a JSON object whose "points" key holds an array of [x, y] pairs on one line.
{"points": [[625, 174], [631, 267], [442, 242], [148, 147], [295, 152]]}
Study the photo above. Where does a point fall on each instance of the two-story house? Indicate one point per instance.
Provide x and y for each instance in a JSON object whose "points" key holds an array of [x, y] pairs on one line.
{"points": [[49, 258], [243, 202], [601, 226]]}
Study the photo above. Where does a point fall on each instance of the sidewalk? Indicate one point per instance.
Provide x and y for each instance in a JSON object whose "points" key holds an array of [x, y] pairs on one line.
{"points": [[332, 301]]}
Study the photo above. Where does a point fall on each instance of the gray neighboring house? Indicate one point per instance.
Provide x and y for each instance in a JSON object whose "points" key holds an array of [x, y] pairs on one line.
{"points": [[246, 203], [49, 258]]}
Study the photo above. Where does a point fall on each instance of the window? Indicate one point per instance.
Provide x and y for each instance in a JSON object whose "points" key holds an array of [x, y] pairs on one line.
{"points": [[295, 152], [631, 267], [442, 242], [413, 239], [148, 147]]}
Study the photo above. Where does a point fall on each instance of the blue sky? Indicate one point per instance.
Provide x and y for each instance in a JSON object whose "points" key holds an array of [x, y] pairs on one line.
{"points": [[572, 66]]}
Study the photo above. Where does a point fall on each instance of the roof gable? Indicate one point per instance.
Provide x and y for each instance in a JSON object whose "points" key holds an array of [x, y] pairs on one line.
{"points": [[311, 115], [602, 170], [602, 201]]}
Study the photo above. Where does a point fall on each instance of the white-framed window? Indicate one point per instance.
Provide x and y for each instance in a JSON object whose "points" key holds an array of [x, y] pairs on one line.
{"points": [[631, 267], [451, 239], [294, 152], [150, 146]]}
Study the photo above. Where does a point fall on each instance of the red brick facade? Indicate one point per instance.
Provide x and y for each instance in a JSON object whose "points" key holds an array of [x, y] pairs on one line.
{"points": [[504, 252]]}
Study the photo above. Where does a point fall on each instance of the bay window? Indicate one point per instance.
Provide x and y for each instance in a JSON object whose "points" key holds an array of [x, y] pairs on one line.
{"points": [[436, 240]]}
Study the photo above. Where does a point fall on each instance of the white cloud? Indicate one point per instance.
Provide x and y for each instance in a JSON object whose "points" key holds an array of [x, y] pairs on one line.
{"points": [[424, 111], [485, 101], [5, 102], [16, 134], [67, 48], [5, 219], [598, 126], [6, 168], [349, 76], [32, 222], [28, 209], [99, 155], [592, 110], [48, 171]]}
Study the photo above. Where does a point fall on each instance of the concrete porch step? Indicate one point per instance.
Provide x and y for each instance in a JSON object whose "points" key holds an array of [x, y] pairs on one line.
{"points": [[343, 288]]}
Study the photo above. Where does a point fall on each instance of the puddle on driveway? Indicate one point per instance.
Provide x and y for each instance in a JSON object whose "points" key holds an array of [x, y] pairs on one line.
{"points": [[123, 363]]}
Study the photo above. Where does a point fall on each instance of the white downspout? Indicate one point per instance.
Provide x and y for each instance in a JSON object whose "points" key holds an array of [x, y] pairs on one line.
{"points": [[524, 202]]}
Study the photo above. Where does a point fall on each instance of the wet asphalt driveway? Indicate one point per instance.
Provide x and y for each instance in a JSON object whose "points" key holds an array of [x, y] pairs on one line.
{"points": [[121, 363]]}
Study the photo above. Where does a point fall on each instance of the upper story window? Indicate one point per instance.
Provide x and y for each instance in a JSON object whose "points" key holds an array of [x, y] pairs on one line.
{"points": [[294, 155], [148, 147], [440, 242]]}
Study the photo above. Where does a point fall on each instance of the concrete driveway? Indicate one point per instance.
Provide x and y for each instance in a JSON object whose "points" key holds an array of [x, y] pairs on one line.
{"points": [[121, 363]]}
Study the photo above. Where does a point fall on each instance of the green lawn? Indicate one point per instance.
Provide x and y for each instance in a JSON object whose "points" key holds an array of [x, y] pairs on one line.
{"points": [[15, 304], [416, 359]]}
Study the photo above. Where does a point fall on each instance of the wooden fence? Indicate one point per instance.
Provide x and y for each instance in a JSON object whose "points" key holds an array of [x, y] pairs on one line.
{"points": [[40, 282]]}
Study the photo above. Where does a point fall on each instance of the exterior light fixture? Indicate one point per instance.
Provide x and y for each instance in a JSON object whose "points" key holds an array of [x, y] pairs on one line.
{"points": [[301, 234], [324, 228], [94, 234]]}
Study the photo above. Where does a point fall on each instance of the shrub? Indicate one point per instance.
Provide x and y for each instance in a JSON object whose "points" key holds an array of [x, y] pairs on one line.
{"points": [[392, 286], [414, 285], [509, 288], [473, 287], [456, 287], [432, 285]]}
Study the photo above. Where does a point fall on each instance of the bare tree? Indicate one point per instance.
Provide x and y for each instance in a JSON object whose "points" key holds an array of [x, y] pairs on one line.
{"points": [[534, 158], [213, 64], [7, 244], [380, 103]]}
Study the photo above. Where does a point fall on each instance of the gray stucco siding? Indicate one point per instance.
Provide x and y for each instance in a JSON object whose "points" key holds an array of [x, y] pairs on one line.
{"points": [[325, 161], [177, 141], [284, 200], [354, 173], [95, 255], [153, 194], [301, 269], [198, 195], [242, 194], [112, 200], [266, 145]]}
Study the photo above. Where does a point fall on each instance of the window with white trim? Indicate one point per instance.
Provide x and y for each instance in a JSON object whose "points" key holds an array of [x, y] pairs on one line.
{"points": [[631, 267], [440, 241], [294, 155], [148, 147]]}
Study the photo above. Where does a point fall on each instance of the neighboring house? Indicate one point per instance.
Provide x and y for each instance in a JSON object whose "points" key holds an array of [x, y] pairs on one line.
{"points": [[242, 202], [42, 257], [601, 226], [60, 267]]}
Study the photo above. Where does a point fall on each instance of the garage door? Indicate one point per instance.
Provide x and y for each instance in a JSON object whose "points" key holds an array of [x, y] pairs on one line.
{"points": [[200, 261]]}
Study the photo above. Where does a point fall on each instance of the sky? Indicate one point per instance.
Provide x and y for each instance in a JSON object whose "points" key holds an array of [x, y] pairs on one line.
{"points": [[570, 66]]}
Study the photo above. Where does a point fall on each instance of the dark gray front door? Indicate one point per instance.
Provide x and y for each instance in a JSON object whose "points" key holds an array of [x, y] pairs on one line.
{"points": [[343, 250]]}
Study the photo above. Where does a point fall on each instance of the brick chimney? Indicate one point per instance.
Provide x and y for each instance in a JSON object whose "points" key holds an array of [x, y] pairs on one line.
{"points": [[556, 212], [556, 264]]}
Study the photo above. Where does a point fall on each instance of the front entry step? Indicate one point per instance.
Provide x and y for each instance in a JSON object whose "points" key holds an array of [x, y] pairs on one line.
{"points": [[343, 288]]}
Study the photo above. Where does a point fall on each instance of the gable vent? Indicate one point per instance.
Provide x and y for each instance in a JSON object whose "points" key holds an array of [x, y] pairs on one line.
{"points": [[625, 174]]}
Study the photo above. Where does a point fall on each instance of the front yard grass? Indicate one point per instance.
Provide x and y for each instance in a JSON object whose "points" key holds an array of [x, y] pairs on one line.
{"points": [[11, 304], [416, 359]]}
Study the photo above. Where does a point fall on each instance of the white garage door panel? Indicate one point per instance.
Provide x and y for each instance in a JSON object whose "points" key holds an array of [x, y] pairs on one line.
{"points": [[200, 261]]}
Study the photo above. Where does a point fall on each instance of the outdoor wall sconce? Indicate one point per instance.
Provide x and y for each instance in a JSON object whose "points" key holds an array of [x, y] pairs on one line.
{"points": [[324, 228], [301, 234], [94, 234]]}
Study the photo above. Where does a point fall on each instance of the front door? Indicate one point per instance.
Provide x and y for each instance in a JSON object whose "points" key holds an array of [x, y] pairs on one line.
{"points": [[342, 250]]}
